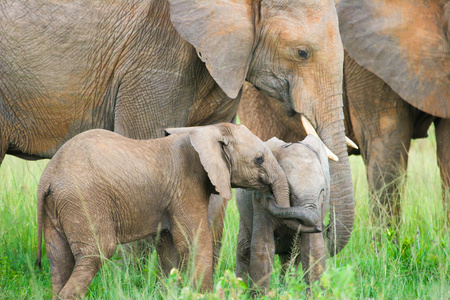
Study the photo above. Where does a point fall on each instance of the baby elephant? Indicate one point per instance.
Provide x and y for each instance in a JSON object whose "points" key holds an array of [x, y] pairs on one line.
{"points": [[101, 189], [265, 229]]}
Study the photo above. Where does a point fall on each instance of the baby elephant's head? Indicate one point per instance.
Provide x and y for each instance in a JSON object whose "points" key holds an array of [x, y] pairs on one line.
{"points": [[306, 167], [234, 157]]}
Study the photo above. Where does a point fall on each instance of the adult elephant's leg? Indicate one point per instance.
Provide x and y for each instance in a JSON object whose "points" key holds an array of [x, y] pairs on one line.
{"points": [[383, 125], [3, 146], [443, 153], [312, 256]]}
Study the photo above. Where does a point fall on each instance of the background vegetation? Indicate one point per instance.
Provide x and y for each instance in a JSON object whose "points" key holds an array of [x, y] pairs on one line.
{"points": [[410, 261]]}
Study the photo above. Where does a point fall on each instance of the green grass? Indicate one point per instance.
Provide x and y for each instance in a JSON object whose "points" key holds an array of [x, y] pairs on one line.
{"points": [[407, 262]]}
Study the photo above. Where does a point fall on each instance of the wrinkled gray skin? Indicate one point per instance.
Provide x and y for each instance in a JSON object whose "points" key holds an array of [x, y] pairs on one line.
{"points": [[101, 189], [137, 67], [264, 231], [397, 83]]}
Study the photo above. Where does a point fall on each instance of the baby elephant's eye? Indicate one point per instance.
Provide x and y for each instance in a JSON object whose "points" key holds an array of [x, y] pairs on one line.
{"points": [[259, 160], [303, 54]]}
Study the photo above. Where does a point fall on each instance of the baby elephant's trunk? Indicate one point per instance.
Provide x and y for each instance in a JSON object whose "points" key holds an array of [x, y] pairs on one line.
{"points": [[280, 186], [307, 216]]}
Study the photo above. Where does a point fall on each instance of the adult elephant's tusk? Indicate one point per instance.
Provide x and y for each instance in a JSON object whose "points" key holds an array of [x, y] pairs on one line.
{"points": [[351, 143], [310, 130]]}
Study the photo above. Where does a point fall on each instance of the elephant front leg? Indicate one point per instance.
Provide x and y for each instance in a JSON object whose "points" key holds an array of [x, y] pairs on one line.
{"points": [[203, 268], [383, 125], [243, 252], [386, 165], [443, 153], [193, 238], [312, 256], [262, 251], [216, 216]]}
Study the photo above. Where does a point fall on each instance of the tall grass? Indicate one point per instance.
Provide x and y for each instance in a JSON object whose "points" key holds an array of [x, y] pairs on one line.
{"points": [[408, 261]]}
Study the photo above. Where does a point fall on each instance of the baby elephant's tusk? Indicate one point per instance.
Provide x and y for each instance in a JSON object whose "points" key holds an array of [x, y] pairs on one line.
{"points": [[310, 130]]}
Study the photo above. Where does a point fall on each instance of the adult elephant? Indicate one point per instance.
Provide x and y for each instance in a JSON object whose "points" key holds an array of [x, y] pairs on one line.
{"points": [[137, 67], [396, 84], [397, 81]]}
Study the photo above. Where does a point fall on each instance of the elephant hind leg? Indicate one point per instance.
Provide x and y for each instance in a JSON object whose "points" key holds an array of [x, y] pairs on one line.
{"points": [[168, 255], [91, 242], [443, 153], [59, 255], [88, 263], [79, 281]]}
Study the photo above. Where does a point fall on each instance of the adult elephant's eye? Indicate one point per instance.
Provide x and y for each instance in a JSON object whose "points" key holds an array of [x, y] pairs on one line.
{"points": [[259, 160], [303, 54]]}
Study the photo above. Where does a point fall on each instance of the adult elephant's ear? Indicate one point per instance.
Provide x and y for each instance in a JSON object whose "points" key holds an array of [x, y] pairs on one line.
{"points": [[406, 44], [222, 32]]}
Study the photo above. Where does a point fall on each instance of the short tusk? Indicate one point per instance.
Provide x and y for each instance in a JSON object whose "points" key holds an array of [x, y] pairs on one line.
{"points": [[310, 130], [351, 143]]}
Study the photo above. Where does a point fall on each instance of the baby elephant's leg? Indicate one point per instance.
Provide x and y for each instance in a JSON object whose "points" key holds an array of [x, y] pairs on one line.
{"points": [[90, 248], [262, 250], [193, 237], [312, 255], [216, 217], [168, 255], [59, 255], [243, 252]]}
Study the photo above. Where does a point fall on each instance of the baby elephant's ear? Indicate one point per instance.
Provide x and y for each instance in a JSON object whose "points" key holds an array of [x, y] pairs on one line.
{"points": [[316, 144], [175, 130], [209, 141], [274, 143]]}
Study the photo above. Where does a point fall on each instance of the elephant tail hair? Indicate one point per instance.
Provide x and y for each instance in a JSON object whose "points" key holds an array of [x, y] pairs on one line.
{"points": [[43, 191]]}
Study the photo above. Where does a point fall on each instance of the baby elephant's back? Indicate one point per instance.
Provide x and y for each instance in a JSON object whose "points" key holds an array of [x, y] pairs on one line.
{"points": [[97, 174], [97, 161], [92, 152]]}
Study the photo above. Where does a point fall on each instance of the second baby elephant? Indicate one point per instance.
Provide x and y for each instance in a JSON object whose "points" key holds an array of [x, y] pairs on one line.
{"points": [[102, 189], [264, 230]]}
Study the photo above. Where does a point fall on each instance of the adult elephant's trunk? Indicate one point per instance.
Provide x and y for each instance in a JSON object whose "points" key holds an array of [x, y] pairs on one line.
{"points": [[342, 206], [326, 116]]}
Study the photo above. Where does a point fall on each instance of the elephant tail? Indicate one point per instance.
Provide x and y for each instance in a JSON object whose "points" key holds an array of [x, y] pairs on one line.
{"points": [[43, 191]]}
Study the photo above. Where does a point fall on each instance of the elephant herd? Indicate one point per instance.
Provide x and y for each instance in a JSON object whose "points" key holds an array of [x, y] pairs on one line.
{"points": [[113, 78]]}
